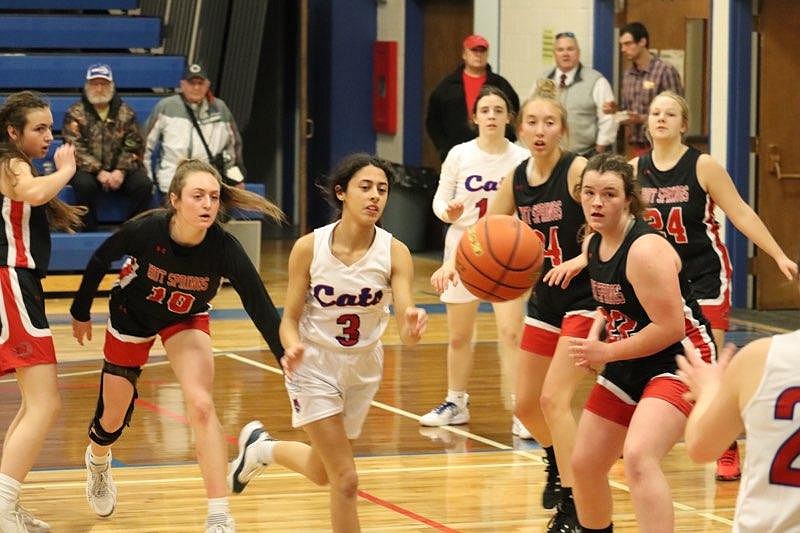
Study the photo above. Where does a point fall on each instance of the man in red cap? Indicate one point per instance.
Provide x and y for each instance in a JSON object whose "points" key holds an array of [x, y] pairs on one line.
{"points": [[450, 106]]}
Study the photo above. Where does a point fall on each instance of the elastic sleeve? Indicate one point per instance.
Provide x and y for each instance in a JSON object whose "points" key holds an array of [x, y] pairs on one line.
{"points": [[112, 249], [256, 300]]}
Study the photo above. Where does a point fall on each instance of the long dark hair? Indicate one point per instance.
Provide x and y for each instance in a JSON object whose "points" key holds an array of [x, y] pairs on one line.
{"points": [[341, 174]]}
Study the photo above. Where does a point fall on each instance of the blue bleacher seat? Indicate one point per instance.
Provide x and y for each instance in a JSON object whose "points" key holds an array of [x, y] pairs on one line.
{"points": [[79, 31], [68, 4], [44, 71]]}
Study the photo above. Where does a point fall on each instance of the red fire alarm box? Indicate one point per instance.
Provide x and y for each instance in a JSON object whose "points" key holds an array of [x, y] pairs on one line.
{"points": [[384, 86]]}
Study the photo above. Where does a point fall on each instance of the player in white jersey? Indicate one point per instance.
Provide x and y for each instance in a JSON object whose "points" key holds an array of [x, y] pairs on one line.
{"points": [[341, 279], [757, 392], [470, 176]]}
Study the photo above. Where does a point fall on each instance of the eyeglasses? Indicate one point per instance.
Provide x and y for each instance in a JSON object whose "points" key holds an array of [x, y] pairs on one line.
{"points": [[565, 34]]}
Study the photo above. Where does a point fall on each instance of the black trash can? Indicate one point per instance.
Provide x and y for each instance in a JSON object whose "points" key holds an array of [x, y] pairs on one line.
{"points": [[406, 214]]}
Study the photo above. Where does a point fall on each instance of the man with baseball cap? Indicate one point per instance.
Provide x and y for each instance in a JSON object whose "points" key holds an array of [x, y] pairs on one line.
{"points": [[450, 106], [193, 124], [108, 146]]}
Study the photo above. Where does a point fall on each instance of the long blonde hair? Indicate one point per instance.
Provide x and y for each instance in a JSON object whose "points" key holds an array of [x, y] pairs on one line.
{"points": [[14, 113]]}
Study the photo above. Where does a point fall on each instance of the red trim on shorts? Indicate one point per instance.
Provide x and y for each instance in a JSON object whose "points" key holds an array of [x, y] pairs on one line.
{"points": [[135, 354], [718, 315], [20, 349], [606, 404], [543, 342]]}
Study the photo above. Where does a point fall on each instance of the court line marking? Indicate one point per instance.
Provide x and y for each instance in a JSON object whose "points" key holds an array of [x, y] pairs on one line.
{"points": [[401, 412]]}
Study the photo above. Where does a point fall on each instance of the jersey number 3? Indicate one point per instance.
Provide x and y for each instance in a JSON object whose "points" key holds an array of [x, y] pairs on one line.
{"points": [[350, 333], [781, 472], [178, 302]]}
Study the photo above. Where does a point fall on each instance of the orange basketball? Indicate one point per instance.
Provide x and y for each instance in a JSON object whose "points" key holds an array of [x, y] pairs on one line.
{"points": [[498, 258]]}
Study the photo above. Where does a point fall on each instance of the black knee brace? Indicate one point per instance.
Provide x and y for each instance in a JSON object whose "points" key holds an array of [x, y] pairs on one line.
{"points": [[96, 432]]}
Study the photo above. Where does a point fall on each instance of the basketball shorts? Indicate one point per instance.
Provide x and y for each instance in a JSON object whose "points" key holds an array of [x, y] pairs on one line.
{"points": [[549, 319], [329, 383], [455, 294], [713, 294], [621, 387], [128, 344], [25, 338]]}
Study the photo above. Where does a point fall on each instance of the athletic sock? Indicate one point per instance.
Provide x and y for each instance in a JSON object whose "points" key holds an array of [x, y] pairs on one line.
{"points": [[458, 397], [218, 507], [99, 460], [551, 455], [608, 529], [9, 492], [265, 452]]}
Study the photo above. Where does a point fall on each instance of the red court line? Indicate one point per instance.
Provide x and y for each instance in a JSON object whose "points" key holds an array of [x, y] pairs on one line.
{"points": [[405, 512]]}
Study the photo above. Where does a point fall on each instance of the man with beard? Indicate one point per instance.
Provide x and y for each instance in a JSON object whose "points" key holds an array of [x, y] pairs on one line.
{"points": [[108, 146]]}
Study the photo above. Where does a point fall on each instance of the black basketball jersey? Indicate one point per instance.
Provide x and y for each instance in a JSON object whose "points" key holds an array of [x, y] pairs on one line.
{"points": [[25, 239], [161, 282], [551, 211], [625, 316], [680, 209]]}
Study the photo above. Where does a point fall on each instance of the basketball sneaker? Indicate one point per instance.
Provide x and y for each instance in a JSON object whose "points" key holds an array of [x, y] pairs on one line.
{"points": [[12, 522], [565, 520], [220, 524], [518, 429], [32, 524], [101, 493], [247, 466], [552, 489], [446, 413], [728, 465]]}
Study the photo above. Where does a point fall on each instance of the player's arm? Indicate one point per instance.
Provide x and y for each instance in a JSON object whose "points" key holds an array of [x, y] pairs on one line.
{"points": [[411, 321], [502, 203], [445, 205], [574, 177], [296, 290], [720, 392], [562, 274], [19, 184], [718, 183]]}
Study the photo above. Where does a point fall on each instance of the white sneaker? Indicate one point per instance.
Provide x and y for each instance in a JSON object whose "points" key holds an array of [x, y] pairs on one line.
{"points": [[33, 524], [101, 493], [228, 527], [11, 522], [246, 466], [445, 414], [518, 429]]}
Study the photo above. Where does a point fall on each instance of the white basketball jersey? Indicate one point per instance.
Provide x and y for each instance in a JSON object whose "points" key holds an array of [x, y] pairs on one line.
{"points": [[473, 176], [769, 493], [347, 307]]}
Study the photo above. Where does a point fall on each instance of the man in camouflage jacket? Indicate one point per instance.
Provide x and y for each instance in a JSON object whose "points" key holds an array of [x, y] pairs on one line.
{"points": [[108, 146]]}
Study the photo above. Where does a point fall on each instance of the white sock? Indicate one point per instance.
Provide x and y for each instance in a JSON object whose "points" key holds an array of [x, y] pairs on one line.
{"points": [[99, 460], [218, 506], [266, 451], [458, 397], [9, 492]]}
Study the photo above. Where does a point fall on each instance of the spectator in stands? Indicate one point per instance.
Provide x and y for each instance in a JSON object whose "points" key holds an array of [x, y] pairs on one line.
{"points": [[193, 125], [583, 91], [108, 146], [450, 106]]}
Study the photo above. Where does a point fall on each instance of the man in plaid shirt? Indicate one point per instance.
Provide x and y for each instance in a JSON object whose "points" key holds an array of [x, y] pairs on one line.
{"points": [[642, 82]]}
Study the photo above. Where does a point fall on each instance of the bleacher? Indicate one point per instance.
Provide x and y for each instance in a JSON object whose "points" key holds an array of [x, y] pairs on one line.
{"points": [[47, 45]]}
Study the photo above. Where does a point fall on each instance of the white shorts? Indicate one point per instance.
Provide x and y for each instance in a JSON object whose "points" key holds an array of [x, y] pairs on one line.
{"points": [[455, 294], [331, 382]]}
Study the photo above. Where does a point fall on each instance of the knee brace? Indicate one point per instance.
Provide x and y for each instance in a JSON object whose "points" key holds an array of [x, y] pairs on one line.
{"points": [[96, 431]]}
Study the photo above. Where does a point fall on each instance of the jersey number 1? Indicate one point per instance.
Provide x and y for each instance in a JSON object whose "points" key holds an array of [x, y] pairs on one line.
{"points": [[781, 472]]}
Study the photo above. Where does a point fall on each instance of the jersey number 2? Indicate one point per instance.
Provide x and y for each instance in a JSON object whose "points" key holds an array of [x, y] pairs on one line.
{"points": [[675, 227], [178, 302], [350, 333], [781, 472]]}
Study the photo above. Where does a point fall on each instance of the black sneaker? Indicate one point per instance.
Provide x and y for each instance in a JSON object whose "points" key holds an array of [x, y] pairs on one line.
{"points": [[552, 490], [564, 521]]}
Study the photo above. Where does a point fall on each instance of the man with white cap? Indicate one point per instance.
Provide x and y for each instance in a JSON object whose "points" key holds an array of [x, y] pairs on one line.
{"points": [[108, 146], [449, 117]]}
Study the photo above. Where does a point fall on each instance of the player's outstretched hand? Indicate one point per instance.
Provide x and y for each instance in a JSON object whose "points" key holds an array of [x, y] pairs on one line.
{"points": [[444, 276], [700, 376], [562, 274], [81, 330], [292, 357], [455, 209], [416, 322], [588, 353]]}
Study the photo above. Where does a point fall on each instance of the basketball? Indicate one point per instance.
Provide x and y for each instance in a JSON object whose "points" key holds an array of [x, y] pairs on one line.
{"points": [[498, 258]]}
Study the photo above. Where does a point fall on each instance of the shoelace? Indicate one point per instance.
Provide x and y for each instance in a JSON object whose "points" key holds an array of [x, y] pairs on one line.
{"points": [[442, 407], [559, 522], [100, 483], [28, 519], [728, 458]]}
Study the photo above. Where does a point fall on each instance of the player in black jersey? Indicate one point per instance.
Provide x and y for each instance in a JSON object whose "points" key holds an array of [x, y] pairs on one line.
{"points": [[176, 259], [682, 187], [637, 405], [26, 345], [540, 191]]}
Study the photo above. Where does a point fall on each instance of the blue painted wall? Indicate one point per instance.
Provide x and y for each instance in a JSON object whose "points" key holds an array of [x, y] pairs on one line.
{"points": [[413, 90], [603, 44]]}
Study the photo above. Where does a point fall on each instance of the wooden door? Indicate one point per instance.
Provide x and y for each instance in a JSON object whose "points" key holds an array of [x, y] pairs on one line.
{"points": [[446, 23], [778, 109]]}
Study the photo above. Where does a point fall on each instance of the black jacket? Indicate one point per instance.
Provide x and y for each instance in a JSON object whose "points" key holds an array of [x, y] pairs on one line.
{"points": [[447, 122]]}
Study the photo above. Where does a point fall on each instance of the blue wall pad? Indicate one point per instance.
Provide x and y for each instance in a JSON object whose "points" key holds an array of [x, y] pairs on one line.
{"points": [[72, 251], [70, 31], [46, 71], [68, 4]]}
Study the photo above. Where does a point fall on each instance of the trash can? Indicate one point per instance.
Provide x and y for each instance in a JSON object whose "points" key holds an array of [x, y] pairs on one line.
{"points": [[406, 213]]}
